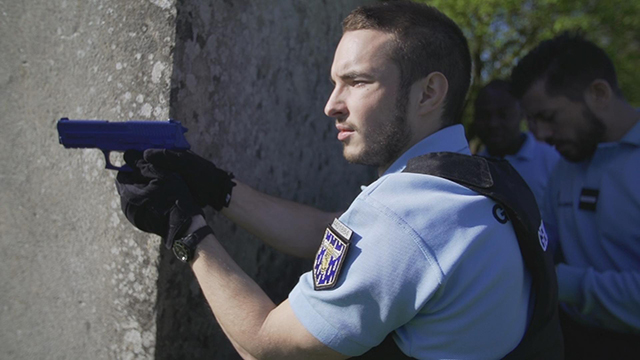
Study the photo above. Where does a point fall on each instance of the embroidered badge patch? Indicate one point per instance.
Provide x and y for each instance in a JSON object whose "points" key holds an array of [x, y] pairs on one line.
{"points": [[331, 255], [542, 236]]}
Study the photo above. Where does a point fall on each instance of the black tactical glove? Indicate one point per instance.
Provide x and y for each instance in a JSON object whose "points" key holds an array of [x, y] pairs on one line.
{"points": [[208, 184], [155, 200]]}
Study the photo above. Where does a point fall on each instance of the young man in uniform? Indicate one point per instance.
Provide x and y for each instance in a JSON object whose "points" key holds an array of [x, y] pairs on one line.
{"points": [[497, 120], [420, 257], [568, 87]]}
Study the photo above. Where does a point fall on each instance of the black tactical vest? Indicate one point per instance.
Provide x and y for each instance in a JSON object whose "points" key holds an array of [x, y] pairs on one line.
{"points": [[499, 181]]}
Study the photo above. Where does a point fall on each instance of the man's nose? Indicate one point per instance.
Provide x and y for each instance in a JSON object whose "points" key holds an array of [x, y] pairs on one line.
{"points": [[336, 106], [495, 121]]}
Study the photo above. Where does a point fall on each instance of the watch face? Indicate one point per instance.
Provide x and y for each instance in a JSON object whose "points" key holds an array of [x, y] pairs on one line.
{"points": [[181, 251]]}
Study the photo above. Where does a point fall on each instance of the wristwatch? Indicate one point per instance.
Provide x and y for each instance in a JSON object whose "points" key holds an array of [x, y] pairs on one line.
{"points": [[185, 248]]}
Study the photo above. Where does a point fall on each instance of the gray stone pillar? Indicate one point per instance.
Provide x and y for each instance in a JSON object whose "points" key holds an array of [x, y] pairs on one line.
{"points": [[77, 280], [248, 78]]}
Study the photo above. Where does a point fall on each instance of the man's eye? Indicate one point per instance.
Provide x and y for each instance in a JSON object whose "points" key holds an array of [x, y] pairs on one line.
{"points": [[547, 119], [358, 82], [481, 117]]}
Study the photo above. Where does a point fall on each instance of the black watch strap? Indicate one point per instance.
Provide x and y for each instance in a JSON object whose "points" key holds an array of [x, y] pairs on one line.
{"points": [[185, 248]]}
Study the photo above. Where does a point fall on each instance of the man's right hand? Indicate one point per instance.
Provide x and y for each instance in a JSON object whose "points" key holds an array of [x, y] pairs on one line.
{"points": [[208, 184]]}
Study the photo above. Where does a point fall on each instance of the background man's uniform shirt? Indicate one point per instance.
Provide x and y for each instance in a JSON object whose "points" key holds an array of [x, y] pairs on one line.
{"points": [[534, 162], [599, 281]]}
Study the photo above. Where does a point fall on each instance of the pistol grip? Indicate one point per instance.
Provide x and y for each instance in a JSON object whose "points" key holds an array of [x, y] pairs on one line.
{"points": [[110, 166]]}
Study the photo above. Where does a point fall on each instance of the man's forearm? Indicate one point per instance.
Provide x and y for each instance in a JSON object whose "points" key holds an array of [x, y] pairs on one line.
{"points": [[290, 227], [238, 303], [255, 325], [611, 297]]}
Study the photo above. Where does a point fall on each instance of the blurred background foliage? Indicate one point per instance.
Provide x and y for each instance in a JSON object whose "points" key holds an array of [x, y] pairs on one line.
{"points": [[500, 32]]}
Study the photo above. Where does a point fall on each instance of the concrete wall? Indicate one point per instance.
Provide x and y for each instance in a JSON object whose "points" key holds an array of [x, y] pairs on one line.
{"points": [[248, 78], [77, 280], [250, 82]]}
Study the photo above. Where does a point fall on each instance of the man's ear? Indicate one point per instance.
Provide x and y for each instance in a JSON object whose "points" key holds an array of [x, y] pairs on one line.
{"points": [[598, 94], [433, 90]]}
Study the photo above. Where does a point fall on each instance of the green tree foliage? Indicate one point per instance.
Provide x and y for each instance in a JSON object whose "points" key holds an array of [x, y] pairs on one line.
{"points": [[502, 31]]}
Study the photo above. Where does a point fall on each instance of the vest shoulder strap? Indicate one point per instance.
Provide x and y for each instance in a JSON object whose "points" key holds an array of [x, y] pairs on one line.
{"points": [[499, 181]]}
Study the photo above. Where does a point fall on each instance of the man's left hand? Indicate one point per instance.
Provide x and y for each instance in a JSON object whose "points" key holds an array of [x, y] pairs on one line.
{"points": [[155, 200]]}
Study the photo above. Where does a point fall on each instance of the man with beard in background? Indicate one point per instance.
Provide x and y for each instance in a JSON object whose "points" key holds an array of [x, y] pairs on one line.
{"points": [[569, 89]]}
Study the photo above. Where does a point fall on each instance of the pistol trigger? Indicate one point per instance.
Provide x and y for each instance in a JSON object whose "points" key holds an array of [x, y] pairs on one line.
{"points": [[110, 166]]}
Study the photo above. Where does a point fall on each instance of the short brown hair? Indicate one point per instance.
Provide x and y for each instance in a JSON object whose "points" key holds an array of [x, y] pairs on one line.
{"points": [[426, 41], [568, 63]]}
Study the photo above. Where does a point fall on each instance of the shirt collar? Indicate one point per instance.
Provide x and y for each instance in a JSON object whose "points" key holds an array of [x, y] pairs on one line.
{"points": [[632, 136], [450, 139], [528, 147]]}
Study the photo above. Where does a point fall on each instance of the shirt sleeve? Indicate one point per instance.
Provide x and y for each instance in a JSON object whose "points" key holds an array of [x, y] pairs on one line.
{"points": [[423, 263], [548, 214], [610, 298], [605, 298], [370, 299]]}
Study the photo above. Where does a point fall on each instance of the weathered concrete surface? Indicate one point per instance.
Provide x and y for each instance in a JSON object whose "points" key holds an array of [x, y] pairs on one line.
{"points": [[77, 281], [250, 82], [249, 79]]}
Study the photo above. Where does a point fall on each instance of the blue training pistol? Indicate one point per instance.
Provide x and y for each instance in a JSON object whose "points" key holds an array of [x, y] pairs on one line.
{"points": [[121, 136]]}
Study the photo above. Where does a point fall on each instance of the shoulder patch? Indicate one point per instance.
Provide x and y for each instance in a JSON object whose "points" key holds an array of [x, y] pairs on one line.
{"points": [[542, 236], [331, 255]]}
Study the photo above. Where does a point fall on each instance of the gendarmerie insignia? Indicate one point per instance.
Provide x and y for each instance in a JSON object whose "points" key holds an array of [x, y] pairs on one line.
{"points": [[331, 255], [542, 236], [500, 214]]}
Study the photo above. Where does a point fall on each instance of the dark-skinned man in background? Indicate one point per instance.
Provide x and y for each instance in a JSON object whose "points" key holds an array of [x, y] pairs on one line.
{"points": [[497, 121]]}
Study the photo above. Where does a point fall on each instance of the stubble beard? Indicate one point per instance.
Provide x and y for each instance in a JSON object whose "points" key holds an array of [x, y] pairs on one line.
{"points": [[588, 138], [386, 144]]}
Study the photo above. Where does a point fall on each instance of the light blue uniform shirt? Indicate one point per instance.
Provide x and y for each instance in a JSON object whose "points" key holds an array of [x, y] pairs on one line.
{"points": [[429, 261], [599, 283], [534, 162]]}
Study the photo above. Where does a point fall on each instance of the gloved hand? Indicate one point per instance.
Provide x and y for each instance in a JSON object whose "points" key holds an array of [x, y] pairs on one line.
{"points": [[155, 200], [208, 184]]}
